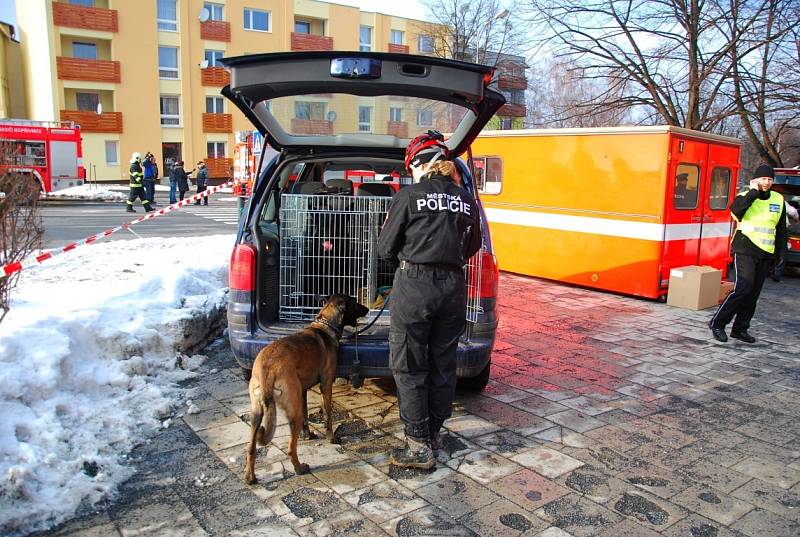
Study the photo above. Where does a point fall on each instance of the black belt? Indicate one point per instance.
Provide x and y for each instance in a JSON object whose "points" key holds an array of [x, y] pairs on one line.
{"points": [[429, 267]]}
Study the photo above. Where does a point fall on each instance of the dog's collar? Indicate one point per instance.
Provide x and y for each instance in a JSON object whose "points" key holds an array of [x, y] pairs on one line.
{"points": [[337, 332]]}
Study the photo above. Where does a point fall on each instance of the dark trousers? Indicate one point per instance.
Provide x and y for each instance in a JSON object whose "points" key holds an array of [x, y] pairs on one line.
{"points": [[204, 200], [182, 194], [138, 192], [150, 188], [428, 316], [740, 305]]}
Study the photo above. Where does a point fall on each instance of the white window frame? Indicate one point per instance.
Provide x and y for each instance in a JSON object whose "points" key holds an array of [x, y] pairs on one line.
{"points": [[364, 46], [165, 71], [215, 56], [167, 25], [216, 146], [394, 34], [217, 104], [115, 145], [176, 117], [428, 39], [365, 126], [420, 115], [217, 11], [248, 19], [395, 111]]}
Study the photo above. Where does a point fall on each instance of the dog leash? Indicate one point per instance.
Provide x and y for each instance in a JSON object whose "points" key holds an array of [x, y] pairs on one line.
{"points": [[355, 375], [354, 334]]}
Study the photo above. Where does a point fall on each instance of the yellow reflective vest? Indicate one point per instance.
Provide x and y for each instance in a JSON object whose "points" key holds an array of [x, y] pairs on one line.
{"points": [[760, 221], [136, 174]]}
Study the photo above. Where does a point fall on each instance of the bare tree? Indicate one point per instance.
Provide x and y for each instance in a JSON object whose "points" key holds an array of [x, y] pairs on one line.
{"points": [[557, 96], [467, 30], [20, 225]]}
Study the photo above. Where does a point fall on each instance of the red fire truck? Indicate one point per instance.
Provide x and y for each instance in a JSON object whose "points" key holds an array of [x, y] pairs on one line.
{"points": [[48, 151]]}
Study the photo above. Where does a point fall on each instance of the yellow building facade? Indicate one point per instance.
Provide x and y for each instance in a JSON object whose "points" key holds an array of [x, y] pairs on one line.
{"points": [[141, 76]]}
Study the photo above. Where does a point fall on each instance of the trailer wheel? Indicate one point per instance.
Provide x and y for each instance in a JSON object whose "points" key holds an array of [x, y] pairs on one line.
{"points": [[476, 383], [662, 299]]}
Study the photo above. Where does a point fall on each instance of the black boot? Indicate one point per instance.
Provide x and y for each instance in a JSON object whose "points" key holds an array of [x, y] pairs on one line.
{"points": [[416, 454], [130, 209], [148, 208]]}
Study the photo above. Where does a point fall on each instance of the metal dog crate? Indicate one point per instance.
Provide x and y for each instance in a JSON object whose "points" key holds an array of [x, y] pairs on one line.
{"points": [[329, 245]]}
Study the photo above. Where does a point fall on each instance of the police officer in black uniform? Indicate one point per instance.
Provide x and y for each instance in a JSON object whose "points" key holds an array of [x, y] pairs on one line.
{"points": [[432, 229]]}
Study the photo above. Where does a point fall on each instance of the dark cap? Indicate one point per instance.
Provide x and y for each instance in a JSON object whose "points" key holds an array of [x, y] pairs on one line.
{"points": [[764, 170], [682, 177]]}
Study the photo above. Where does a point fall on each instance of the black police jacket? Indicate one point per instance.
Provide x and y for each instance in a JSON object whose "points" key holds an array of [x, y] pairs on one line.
{"points": [[432, 222]]}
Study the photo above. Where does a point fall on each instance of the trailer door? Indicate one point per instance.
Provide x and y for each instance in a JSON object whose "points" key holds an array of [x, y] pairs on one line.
{"points": [[717, 194], [63, 165], [686, 186]]}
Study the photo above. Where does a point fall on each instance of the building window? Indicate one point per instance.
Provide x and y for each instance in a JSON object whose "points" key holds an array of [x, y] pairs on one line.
{"points": [[215, 149], [112, 152], [170, 110], [87, 101], [213, 57], [302, 27], [364, 119], [256, 20], [86, 3], [215, 10], [167, 15], [365, 39], [425, 43], [309, 110], [396, 38], [395, 114], [168, 62], [425, 118], [506, 124], [215, 105], [86, 51]]}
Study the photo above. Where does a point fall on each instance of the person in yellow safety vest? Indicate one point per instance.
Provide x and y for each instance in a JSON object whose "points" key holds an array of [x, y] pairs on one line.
{"points": [[137, 184], [758, 243]]}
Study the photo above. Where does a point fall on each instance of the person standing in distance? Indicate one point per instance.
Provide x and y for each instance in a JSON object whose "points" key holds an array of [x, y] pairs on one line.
{"points": [[202, 181], [431, 230], [759, 240]]}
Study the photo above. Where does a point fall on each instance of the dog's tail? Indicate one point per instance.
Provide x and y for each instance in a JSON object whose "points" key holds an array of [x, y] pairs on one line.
{"points": [[266, 403]]}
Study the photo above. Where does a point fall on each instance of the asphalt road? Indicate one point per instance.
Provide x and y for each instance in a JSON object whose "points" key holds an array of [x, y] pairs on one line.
{"points": [[67, 221]]}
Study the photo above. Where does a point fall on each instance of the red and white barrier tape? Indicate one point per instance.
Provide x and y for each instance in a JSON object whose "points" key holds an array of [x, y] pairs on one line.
{"points": [[19, 266]]}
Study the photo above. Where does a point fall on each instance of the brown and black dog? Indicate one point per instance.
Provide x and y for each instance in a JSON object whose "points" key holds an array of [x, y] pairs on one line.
{"points": [[286, 368]]}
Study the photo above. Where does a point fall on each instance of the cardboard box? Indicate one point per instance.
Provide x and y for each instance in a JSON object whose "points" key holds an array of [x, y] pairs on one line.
{"points": [[725, 288], [694, 287]]}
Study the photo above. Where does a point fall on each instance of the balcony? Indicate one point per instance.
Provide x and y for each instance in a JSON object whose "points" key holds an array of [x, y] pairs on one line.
{"points": [[311, 126], [88, 70], [510, 82], [216, 31], [87, 18], [311, 42], [93, 122], [219, 167], [397, 128], [217, 122], [400, 49], [512, 110], [215, 76]]}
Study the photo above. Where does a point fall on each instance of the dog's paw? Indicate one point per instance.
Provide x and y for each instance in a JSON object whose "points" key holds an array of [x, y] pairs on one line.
{"points": [[302, 469], [250, 479], [308, 435], [331, 438]]}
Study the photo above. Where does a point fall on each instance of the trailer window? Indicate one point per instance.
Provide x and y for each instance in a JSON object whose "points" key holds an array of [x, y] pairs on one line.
{"points": [[687, 178], [720, 188], [488, 174]]}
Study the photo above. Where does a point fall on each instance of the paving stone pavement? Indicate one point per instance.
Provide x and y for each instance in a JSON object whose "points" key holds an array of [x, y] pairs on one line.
{"points": [[605, 415]]}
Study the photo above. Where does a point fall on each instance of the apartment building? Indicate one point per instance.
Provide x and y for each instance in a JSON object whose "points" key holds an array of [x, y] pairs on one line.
{"points": [[145, 75]]}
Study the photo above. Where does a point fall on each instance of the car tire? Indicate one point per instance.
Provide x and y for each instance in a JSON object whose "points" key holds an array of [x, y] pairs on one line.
{"points": [[246, 374], [476, 383]]}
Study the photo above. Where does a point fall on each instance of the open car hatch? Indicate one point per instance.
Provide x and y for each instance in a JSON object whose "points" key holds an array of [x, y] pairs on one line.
{"points": [[361, 99]]}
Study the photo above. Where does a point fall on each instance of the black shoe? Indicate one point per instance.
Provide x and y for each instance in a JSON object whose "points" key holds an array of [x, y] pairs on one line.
{"points": [[719, 334], [129, 209], [743, 335], [416, 454], [148, 209], [436, 443]]}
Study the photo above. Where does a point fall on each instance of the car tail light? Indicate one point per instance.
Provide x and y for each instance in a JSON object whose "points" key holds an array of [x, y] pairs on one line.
{"points": [[489, 277], [242, 270], [794, 244]]}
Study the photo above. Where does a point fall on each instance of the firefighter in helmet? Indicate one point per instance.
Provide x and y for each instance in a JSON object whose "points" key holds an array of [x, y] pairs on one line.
{"points": [[137, 184], [431, 230]]}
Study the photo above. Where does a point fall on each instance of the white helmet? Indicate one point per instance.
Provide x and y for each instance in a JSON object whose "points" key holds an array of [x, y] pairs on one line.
{"points": [[136, 156]]}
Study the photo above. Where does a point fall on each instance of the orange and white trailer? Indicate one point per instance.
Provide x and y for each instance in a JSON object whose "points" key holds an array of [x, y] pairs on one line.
{"points": [[610, 208]]}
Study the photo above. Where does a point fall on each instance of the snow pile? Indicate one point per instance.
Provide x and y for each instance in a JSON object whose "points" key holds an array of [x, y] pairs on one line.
{"points": [[89, 357], [92, 192]]}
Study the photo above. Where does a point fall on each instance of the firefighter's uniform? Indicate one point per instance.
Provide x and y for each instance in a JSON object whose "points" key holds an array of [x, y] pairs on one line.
{"points": [[760, 240], [137, 186], [432, 229]]}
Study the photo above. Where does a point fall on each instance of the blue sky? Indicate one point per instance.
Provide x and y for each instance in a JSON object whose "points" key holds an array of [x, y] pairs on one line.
{"points": [[7, 11]]}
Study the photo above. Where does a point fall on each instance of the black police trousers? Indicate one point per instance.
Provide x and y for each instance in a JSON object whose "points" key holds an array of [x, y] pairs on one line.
{"points": [[428, 316], [751, 271]]}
